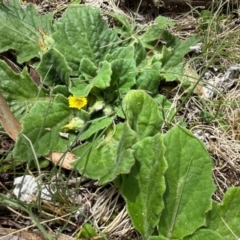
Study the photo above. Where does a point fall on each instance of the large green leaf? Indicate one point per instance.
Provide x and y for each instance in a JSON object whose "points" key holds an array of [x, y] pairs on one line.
{"points": [[106, 158], [144, 186], [24, 30], [205, 234], [224, 217], [121, 53], [82, 33], [141, 112], [19, 90], [41, 127], [189, 184], [54, 69]]}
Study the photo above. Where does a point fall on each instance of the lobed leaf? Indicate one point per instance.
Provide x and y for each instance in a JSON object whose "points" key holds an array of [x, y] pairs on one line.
{"points": [[102, 80], [80, 88]]}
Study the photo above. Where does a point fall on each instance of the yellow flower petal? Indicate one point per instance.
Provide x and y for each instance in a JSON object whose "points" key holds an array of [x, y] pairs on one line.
{"points": [[77, 102]]}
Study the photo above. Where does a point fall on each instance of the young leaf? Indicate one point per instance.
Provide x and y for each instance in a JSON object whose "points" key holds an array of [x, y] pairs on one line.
{"points": [[106, 158], [204, 234], [19, 90], [82, 33], [87, 231], [225, 216], [41, 126], [188, 179], [144, 186], [142, 114], [24, 30]]}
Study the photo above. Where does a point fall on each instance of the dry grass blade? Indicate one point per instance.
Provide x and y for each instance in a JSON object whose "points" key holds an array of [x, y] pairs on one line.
{"points": [[8, 120]]}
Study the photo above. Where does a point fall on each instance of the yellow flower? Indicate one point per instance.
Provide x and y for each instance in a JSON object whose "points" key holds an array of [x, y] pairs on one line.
{"points": [[77, 102]]}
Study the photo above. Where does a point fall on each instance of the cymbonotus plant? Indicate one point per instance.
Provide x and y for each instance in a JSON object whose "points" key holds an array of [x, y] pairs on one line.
{"points": [[100, 85]]}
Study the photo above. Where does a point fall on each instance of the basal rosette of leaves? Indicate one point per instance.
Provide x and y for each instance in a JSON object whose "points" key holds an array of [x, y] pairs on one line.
{"points": [[77, 55], [110, 77]]}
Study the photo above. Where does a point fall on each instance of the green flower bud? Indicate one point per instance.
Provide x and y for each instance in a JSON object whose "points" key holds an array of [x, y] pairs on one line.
{"points": [[75, 124]]}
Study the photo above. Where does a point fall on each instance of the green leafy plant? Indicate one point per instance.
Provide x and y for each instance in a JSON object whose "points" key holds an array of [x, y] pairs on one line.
{"points": [[101, 86]]}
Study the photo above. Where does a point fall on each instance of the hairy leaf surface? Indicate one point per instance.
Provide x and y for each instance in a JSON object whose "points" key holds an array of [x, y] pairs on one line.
{"points": [[224, 216], [41, 128], [189, 184], [142, 113], [205, 234], [24, 30], [82, 33], [19, 90], [105, 158], [144, 186]]}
